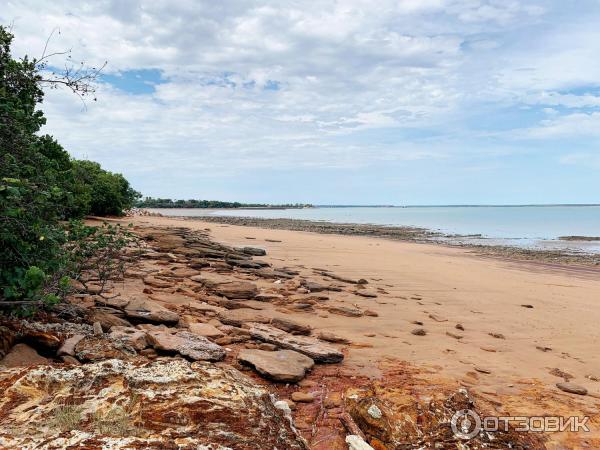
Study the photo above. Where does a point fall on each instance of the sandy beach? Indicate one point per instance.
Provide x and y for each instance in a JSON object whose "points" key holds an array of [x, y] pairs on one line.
{"points": [[507, 329]]}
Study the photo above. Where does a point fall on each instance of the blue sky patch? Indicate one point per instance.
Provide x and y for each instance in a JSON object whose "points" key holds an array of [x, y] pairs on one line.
{"points": [[142, 81]]}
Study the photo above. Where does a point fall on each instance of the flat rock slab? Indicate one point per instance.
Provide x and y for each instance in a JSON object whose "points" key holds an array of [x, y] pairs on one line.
{"points": [[242, 290], [106, 319], [236, 290], [311, 347], [348, 311], [285, 366], [157, 283], [366, 293], [150, 311], [237, 317], [254, 251], [205, 329], [291, 326], [187, 344], [168, 401]]}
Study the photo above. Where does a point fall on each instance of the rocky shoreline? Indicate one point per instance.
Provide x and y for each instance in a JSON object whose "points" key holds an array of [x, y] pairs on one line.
{"points": [[182, 354], [410, 234]]}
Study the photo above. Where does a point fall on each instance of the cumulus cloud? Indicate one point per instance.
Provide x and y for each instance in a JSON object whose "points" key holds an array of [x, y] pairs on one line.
{"points": [[247, 85]]}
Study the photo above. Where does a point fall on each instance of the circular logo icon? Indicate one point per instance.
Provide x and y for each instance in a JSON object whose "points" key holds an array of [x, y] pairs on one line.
{"points": [[465, 424]]}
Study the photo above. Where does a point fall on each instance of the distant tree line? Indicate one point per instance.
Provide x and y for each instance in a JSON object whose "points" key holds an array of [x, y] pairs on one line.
{"points": [[43, 190], [149, 202]]}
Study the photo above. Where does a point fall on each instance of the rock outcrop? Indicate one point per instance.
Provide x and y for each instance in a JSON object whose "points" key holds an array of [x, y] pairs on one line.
{"points": [[158, 405]]}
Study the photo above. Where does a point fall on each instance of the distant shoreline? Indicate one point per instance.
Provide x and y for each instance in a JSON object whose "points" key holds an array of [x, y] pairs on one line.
{"points": [[404, 233]]}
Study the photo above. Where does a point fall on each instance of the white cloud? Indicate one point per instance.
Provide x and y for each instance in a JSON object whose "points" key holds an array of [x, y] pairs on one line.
{"points": [[577, 124], [292, 84]]}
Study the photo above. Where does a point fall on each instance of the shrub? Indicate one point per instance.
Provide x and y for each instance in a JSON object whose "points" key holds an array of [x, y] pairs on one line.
{"points": [[41, 188]]}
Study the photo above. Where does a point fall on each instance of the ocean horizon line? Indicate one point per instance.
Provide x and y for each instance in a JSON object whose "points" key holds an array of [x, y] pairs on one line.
{"points": [[525, 205]]}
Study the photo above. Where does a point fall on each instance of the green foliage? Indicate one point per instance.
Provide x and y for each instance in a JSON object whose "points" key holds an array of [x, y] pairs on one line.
{"points": [[107, 193], [41, 188], [150, 202]]}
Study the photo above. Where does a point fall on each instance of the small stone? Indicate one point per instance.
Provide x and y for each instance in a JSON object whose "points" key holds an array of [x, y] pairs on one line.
{"points": [[333, 400], [371, 313], [417, 322], [302, 397], [345, 311], [97, 329], [356, 442], [419, 332], [68, 346], [307, 383], [458, 326], [366, 293], [149, 353], [70, 360], [267, 347], [497, 335], [283, 405], [454, 335], [374, 412], [436, 318], [331, 337], [527, 306], [482, 370], [572, 388]]}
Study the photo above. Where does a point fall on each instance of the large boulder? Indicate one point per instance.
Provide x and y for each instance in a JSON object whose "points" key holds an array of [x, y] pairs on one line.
{"points": [[285, 366], [146, 310], [311, 347], [185, 343], [116, 404]]}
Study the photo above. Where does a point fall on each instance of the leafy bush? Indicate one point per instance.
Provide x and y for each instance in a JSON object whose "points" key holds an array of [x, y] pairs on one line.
{"points": [[41, 188], [107, 193]]}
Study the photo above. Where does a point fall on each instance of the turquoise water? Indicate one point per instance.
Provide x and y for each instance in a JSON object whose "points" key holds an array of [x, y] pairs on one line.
{"points": [[521, 225]]}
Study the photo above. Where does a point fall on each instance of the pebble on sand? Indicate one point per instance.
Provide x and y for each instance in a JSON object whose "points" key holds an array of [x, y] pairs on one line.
{"points": [[572, 388]]}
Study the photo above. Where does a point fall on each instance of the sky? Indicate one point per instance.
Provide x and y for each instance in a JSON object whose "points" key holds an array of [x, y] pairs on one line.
{"points": [[331, 102]]}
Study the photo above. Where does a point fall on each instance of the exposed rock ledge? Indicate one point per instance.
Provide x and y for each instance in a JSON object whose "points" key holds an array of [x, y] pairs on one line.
{"points": [[167, 403]]}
